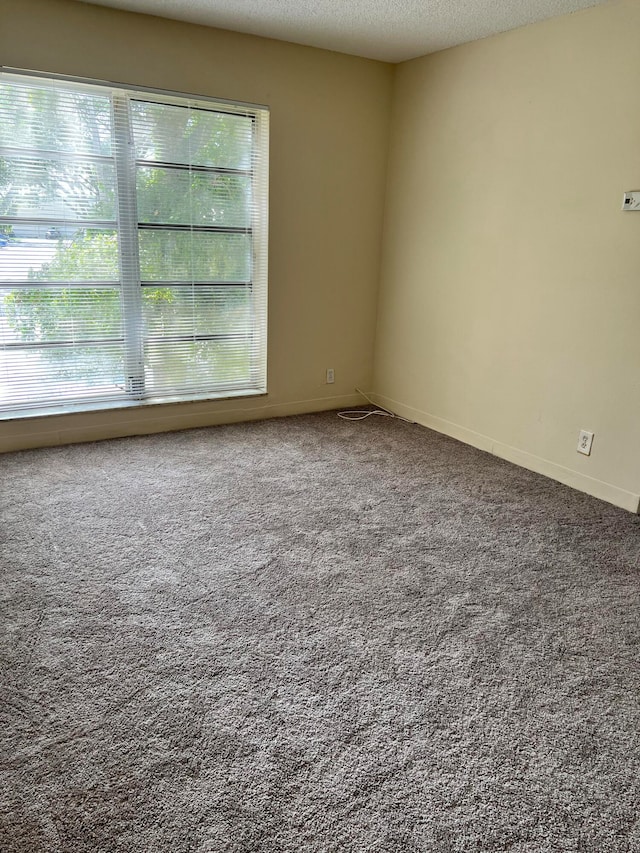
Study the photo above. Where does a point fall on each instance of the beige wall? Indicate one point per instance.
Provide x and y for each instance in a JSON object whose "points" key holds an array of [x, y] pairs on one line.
{"points": [[329, 132], [509, 312], [509, 297]]}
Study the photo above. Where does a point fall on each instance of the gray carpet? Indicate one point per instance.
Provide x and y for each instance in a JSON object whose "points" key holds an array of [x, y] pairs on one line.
{"points": [[313, 635]]}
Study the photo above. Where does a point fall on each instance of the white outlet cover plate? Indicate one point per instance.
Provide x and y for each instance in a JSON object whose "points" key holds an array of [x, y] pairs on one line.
{"points": [[585, 441], [631, 200]]}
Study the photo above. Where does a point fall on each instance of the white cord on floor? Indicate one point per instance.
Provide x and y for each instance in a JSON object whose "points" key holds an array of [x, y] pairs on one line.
{"points": [[359, 415]]}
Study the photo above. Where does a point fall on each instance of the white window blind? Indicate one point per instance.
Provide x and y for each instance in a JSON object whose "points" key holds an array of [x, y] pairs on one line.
{"points": [[133, 246]]}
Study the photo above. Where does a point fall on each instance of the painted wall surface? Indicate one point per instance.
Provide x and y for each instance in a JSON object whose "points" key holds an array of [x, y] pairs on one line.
{"points": [[329, 135], [509, 312]]}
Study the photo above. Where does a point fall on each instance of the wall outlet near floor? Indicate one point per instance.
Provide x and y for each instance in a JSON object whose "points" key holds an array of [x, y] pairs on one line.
{"points": [[330, 376], [585, 440]]}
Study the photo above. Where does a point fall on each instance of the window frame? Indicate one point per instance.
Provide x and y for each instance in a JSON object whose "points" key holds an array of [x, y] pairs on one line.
{"points": [[128, 227]]}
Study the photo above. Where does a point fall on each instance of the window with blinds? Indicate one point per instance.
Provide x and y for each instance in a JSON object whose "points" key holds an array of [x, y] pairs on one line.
{"points": [[133, 246]]}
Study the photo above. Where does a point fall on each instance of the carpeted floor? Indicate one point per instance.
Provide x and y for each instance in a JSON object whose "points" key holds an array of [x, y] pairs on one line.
{"points": [[307, 635]]}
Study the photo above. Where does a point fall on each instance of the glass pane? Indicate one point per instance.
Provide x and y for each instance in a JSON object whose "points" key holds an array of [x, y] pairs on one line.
{"points": [[54, 118], [199, 365], [171, 134], [177, 197], [90, 254], [179, 311], [56, 189], [53, 374], [192, 256], [59, 314]]}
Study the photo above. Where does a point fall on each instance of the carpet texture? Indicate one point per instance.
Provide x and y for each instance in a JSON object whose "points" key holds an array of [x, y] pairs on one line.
{"points": [[313, 635]]}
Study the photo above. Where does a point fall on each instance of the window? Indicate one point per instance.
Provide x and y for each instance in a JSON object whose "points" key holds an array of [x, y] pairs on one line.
{"points": [[133, 247]]}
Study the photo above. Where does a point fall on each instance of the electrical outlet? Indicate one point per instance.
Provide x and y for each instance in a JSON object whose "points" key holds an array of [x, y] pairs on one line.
{"points": [[585, 440], [631, 200], [330, 376]]}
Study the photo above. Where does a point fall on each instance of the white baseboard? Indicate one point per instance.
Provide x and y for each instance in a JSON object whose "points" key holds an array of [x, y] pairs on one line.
{"points": [[119, 423], [76, 428], [597, 488]]}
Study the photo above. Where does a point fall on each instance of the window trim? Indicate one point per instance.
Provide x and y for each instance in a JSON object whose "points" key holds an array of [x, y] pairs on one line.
{"points": [[127, 227]]}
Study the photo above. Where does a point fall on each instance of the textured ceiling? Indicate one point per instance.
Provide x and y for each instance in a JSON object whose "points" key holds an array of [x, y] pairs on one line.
{"points": [[379, 29]]}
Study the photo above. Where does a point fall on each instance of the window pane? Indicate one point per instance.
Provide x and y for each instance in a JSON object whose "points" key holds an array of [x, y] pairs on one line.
{"points": [[179, 311], [57, 189], [59, 314], [199, 365], [193, 256], [53, 118], [110, 276], [43, 375], [177, 197], [89, 255], [171, 134]]}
